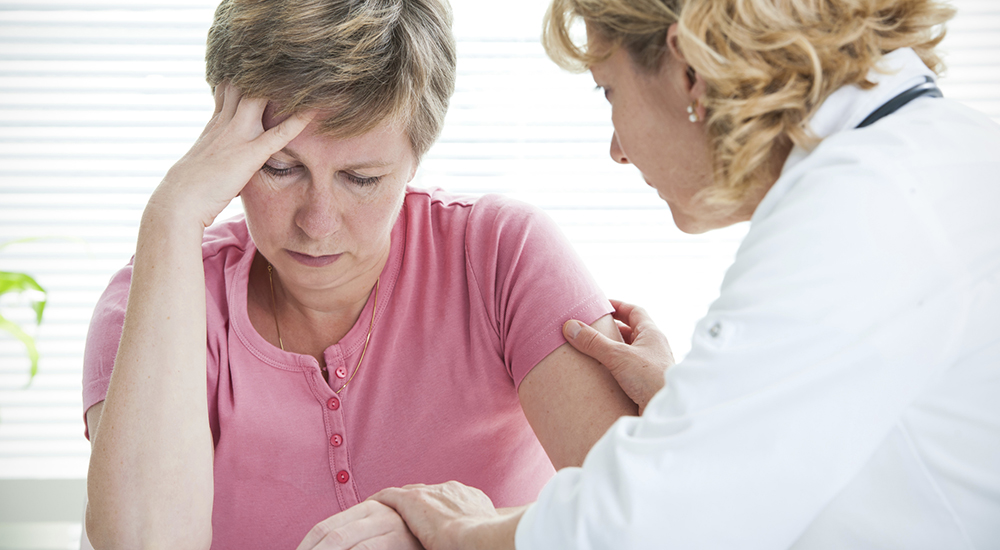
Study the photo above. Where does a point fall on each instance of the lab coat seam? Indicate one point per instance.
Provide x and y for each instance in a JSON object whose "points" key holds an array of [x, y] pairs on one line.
{"points": [[925, 471]]}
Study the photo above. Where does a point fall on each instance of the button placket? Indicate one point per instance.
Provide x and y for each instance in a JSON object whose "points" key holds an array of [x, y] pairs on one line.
{"points": [[337, 448]]}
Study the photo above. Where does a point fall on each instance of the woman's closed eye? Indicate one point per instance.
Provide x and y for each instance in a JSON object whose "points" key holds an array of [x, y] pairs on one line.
{"points": [[362, 181], [278, 171]]}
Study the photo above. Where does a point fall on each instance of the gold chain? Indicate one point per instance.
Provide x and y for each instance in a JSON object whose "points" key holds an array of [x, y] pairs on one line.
{"points": [[274, 307], [371, 324]]}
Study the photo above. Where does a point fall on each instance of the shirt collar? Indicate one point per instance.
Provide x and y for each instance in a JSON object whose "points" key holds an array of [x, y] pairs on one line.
{"points": [[845, 108]]}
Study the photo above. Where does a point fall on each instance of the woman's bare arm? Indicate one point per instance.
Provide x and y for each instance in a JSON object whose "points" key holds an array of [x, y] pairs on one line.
{"points": [[150, 482], [151, 464], [570, 400], [639, 362]]}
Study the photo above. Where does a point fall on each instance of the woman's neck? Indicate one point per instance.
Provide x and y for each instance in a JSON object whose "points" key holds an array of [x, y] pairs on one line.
{"points": [[309, 320]]}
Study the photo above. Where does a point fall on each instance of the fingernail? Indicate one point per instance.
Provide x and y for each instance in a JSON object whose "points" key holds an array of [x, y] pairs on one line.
{"points": [[573, 328]]}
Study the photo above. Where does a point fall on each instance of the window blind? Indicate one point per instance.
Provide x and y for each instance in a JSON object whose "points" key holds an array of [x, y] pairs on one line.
{"points": [[99, 98]]}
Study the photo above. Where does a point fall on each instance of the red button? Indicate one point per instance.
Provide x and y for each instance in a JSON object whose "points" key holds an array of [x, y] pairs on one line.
{"points": [[341, 372], [343, 476], [333, 404], [336, 440]]}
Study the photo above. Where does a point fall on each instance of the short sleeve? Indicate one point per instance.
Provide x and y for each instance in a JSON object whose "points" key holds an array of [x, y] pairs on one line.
{"points": [[530, 279], [103, 337]]}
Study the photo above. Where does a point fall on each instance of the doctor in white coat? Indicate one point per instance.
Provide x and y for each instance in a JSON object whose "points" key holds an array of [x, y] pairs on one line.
{"points": [[844, 389]]}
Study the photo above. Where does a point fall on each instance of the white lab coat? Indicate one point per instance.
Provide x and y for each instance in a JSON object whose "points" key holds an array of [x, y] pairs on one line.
{"points": [[844, 389]]}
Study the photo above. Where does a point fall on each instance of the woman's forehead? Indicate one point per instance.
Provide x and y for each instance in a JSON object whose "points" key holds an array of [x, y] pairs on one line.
{"points": [[271, 118]]}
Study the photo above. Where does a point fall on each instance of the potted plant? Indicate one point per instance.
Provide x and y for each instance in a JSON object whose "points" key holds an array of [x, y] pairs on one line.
{"points": [[13, 282]]}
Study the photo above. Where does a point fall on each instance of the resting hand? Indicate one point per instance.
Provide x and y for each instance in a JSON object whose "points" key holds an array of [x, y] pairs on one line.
{"points": [[638, 364], [369, 526], [233, 146], [452, 516]]}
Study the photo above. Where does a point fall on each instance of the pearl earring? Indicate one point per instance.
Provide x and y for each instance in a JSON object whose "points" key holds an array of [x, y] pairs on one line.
{"points": [[692, 115]]}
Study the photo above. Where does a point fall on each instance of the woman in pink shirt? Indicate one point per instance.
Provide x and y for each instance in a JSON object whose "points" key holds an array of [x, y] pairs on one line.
{"points": [[358, 333]]}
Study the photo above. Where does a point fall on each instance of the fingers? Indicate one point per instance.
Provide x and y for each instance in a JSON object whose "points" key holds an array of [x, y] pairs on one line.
{"points": [[630, 314], [227, 102], [278, 137], [322, 529], [230, 101], [389, 541], [391, 497], [591, 342], [369, 525], [626, 332], [218, 93], [247, 113]]}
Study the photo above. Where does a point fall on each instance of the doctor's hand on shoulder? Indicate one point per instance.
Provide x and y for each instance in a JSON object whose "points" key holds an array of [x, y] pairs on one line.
{"points": [[639, 363]]}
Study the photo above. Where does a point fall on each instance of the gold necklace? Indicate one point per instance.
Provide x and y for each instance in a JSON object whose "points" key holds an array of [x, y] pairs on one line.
{"points": [[371, 323]]}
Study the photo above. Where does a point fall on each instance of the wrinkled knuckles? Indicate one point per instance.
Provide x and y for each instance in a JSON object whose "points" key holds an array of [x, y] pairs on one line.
{"points": [[320, 531], [336, 539], [618, 358]]}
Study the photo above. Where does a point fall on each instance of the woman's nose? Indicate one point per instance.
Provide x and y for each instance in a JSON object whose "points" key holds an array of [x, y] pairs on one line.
{"points": [[317, 216], [617, 154]]}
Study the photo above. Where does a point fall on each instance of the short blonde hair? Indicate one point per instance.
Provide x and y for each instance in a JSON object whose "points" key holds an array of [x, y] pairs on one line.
{"points": [[364, 61], [768, 64]]}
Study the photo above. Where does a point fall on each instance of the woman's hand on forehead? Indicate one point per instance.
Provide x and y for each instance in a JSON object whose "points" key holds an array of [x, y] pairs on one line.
{"points": [[270, 118], [236, 142]]}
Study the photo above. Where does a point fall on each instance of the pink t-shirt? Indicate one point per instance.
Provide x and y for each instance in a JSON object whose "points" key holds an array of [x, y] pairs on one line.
{"points": [[472, 297]]}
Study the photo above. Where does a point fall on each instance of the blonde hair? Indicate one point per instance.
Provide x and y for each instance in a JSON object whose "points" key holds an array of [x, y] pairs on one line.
{"points": [[768, 64], [364, 61]]}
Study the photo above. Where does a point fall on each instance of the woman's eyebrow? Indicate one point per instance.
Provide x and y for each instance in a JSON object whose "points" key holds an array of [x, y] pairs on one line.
{"points": [[359, 165], [375, 163], [289, 152]]}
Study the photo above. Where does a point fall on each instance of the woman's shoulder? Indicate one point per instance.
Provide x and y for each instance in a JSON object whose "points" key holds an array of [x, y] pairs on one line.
{"points": [[444, 203], [438, 214], [226, 238]]}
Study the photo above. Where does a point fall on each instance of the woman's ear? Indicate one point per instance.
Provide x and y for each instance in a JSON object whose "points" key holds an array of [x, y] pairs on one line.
{"points": [[694, 84]]}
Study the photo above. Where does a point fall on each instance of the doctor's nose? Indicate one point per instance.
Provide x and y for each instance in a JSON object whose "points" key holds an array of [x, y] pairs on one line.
{"points": [[617, 154]]}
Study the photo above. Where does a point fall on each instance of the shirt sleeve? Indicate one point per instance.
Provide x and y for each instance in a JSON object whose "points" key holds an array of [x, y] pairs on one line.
{"points": [[105, 331], [529, 278], [103, 337], [842, 307]]}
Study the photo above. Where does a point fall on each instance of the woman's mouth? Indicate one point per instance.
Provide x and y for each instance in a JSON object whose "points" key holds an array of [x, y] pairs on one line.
{"points": [[313, 261]]}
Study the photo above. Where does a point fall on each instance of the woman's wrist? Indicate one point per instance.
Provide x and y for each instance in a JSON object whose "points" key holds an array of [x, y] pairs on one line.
{"points": [[164, 210]]}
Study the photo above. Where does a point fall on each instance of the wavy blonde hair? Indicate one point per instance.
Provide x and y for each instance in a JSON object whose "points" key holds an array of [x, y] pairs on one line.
{"points": [[768, 64], [364, 61]]}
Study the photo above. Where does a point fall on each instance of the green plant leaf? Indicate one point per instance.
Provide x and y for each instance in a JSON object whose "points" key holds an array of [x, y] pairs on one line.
{"points": [[19, 282], [39, 307], [26, 339]]}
